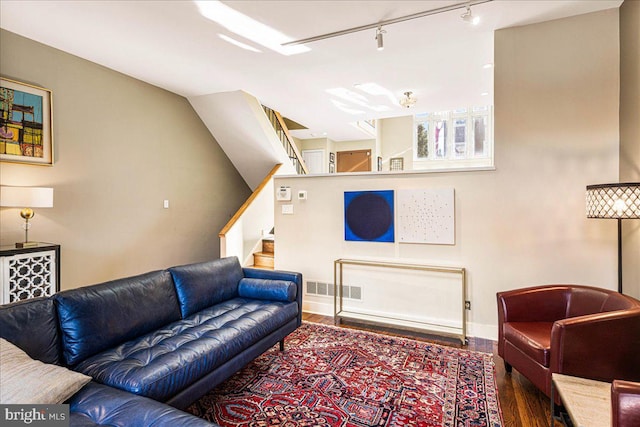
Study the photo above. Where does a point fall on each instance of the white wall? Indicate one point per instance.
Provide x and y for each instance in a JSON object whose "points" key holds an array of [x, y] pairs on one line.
{"points": [[556, 130]]}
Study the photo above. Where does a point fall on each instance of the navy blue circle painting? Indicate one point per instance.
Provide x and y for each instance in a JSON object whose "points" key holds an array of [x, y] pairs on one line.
{"points": [[368, 216]]}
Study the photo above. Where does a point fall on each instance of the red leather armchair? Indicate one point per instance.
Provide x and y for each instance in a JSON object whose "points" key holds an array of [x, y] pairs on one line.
{"points": [[625, 403], [569, 329]]}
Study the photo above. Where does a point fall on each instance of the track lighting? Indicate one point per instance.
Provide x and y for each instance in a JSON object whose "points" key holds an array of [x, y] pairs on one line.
{"points": [[379, 33], [469, 18], [378, 24]]}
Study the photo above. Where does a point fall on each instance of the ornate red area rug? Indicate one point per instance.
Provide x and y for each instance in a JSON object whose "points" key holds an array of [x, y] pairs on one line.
{"points": [[330, 376]]}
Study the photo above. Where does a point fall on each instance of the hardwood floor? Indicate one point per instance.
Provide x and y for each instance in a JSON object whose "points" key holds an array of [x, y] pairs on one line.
{"points": [[521, 402]]}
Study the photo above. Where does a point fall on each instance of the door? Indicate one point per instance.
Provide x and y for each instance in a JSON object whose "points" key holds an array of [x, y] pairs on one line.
{"points": [[314, 160], [354, 161]]}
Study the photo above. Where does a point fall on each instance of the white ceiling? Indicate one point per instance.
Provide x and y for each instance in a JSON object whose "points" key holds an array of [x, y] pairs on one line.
{"points": [[171, 45]]}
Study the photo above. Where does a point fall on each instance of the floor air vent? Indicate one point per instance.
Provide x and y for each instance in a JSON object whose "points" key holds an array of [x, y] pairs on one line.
{"points": [[326, 289]]}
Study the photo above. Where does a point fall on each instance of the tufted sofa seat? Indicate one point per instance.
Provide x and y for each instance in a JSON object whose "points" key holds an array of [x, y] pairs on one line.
{"points": [[161, 363], [157, 341], [569, 329]]}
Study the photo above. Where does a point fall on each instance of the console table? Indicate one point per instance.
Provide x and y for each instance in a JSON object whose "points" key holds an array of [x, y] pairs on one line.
{"points": [[455, 300], [29, 272], [588, 402]]}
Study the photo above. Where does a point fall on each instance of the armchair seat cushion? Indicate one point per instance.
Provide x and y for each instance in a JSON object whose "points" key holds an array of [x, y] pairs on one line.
{"points": [[532, 338], [161, 363]]}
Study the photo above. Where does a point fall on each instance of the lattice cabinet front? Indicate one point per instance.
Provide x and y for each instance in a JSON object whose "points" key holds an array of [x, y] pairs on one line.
{"points": [[29, 275]]}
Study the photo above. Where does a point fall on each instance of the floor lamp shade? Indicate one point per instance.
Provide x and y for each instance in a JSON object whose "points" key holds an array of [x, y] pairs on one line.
{"points": [[26, 198], [614, 201]]}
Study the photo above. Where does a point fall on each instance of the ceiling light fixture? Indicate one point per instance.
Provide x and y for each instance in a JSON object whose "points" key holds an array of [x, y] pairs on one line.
{"points": [[408, 101], [468, 16], [386, 22], [379, 33]]}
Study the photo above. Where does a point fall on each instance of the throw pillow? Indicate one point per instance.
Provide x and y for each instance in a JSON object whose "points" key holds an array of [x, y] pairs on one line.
{"points": [[27, 381]]}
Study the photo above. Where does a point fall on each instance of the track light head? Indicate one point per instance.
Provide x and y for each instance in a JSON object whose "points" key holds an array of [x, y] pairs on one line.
{"points": [[379, 33], [469, 18]]}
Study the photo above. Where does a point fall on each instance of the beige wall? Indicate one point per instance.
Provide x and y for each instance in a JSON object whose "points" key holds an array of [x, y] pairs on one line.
{"points": [[556, 130], [630, 135], [121, 147], [396, 140]]}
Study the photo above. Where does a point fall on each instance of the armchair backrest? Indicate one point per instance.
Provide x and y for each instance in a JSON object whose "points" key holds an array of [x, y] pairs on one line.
{"points": [[585, 300], [625, 403]]}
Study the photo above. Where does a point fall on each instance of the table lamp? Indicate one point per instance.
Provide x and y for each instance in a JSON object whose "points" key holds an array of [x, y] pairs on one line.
{"points": [[26, 198], [614, 201]]}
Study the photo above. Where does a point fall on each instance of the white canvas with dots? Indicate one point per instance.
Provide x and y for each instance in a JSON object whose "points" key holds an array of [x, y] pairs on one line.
{"points": [[426, 216]]}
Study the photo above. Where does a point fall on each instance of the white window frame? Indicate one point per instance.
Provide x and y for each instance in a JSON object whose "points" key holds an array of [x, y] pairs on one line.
{"points": [[470, 159]]}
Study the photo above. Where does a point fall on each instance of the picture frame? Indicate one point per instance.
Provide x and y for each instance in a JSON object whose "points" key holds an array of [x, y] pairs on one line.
{"points": [[332, 158], [26, 123], [379, 164]]}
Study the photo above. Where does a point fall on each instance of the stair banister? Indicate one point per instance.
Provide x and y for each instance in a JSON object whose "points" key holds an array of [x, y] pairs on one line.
{"points": [[235, 233], [276, 120]]}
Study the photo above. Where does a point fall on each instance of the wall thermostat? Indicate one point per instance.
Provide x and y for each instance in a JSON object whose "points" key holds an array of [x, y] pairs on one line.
{"points": [[283, 193]]}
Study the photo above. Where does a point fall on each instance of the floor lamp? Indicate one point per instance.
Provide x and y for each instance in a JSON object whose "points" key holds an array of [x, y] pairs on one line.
{"points": [[614, 201]]}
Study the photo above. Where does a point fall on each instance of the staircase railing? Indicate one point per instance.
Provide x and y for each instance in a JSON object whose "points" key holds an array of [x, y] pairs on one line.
{"points": [[244, 230], [287, 140]]}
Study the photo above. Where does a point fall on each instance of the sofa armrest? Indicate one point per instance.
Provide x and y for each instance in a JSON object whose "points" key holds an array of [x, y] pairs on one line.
{"points": [[98, 404], [602, 346], [625, 403], [267, 289], [256, 273]]}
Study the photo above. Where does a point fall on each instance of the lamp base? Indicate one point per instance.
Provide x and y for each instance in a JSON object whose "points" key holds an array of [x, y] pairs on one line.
{"points": [[26, 244]]}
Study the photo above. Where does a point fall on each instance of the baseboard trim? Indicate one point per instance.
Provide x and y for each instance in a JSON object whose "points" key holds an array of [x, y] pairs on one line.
{"points": [[475, 330]]}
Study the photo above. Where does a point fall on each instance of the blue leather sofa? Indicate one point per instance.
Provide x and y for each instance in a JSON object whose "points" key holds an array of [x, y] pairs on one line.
{"points": [[158, 341]]}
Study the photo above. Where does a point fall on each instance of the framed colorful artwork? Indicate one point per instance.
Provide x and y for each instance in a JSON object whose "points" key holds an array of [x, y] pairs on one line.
{"points": [[369, 216], [26, 123]]}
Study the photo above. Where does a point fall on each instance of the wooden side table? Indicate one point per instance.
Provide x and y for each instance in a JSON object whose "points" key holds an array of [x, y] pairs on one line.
{"points": [[588, 402], [29, 272]]}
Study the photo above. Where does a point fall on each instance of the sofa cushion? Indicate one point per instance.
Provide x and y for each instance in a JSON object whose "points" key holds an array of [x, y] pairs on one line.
{"points": [[204, 284], [265, 289], [168, 360], [99, 405], [532, 338], [27, 381], [32, 325], [95, 318]]}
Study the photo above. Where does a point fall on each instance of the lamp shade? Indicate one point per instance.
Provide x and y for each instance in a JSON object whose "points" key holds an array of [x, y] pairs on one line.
{"points": [[617, 201], [26, 197]]}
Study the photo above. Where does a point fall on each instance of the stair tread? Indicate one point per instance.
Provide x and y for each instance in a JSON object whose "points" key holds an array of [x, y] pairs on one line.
{"points": [[265, 254]]}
